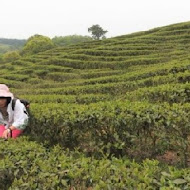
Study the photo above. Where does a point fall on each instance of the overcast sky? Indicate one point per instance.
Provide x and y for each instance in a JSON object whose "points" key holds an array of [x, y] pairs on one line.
{"points": [[23, 18]]}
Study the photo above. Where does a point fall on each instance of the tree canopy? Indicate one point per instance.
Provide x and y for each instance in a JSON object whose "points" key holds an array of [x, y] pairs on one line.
{"points": [[97, 32], [36, 44], [10, 56]]}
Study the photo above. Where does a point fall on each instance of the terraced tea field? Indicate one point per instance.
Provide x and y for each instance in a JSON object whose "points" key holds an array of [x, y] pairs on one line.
{"points": [[121, 98]]}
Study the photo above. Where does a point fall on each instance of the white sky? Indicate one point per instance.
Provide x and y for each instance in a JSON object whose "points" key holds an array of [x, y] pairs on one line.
{"points": [[23, 18]]}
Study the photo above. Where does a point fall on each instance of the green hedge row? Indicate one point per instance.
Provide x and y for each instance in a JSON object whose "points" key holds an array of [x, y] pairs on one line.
{"points": [[119, 128], [108, 85], [27, 165], [78, 99], [171, 93]]}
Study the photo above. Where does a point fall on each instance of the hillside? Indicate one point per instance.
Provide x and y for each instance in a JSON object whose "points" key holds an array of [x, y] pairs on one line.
{"points": [[114, 66], [127, 96], [10, 44]]}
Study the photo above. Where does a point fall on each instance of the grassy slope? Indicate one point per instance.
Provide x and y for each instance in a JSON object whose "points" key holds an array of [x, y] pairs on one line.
{"points": [[143, 56]]}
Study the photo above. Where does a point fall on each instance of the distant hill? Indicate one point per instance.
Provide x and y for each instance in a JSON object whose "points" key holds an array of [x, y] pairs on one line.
{"points": [[10, 44]]}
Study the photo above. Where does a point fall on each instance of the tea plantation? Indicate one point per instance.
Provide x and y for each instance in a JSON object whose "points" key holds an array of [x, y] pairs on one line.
{"points": [[105, 114]]}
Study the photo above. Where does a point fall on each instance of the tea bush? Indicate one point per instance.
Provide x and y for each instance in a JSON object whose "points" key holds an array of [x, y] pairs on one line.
{"points": [[28, 165]]}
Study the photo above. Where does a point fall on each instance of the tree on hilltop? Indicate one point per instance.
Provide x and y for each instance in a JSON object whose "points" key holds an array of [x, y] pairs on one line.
{"points": [[36, 44], [97, 32]]}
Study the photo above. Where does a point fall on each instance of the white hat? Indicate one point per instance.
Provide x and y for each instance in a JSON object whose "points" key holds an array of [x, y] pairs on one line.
{"points": [[4, 91]]}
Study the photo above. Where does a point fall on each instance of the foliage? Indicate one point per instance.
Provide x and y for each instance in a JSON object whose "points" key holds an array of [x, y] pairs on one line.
{"points": [[70, 40], [117, 128], [13, 42], [11, 56], [7, 45], [36, 44], [28, 165], [97, 32], [104, 102], [1, 58]]}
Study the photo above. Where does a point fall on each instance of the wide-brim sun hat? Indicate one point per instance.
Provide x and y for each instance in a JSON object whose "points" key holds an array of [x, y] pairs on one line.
{"points": [[5, 92]]}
